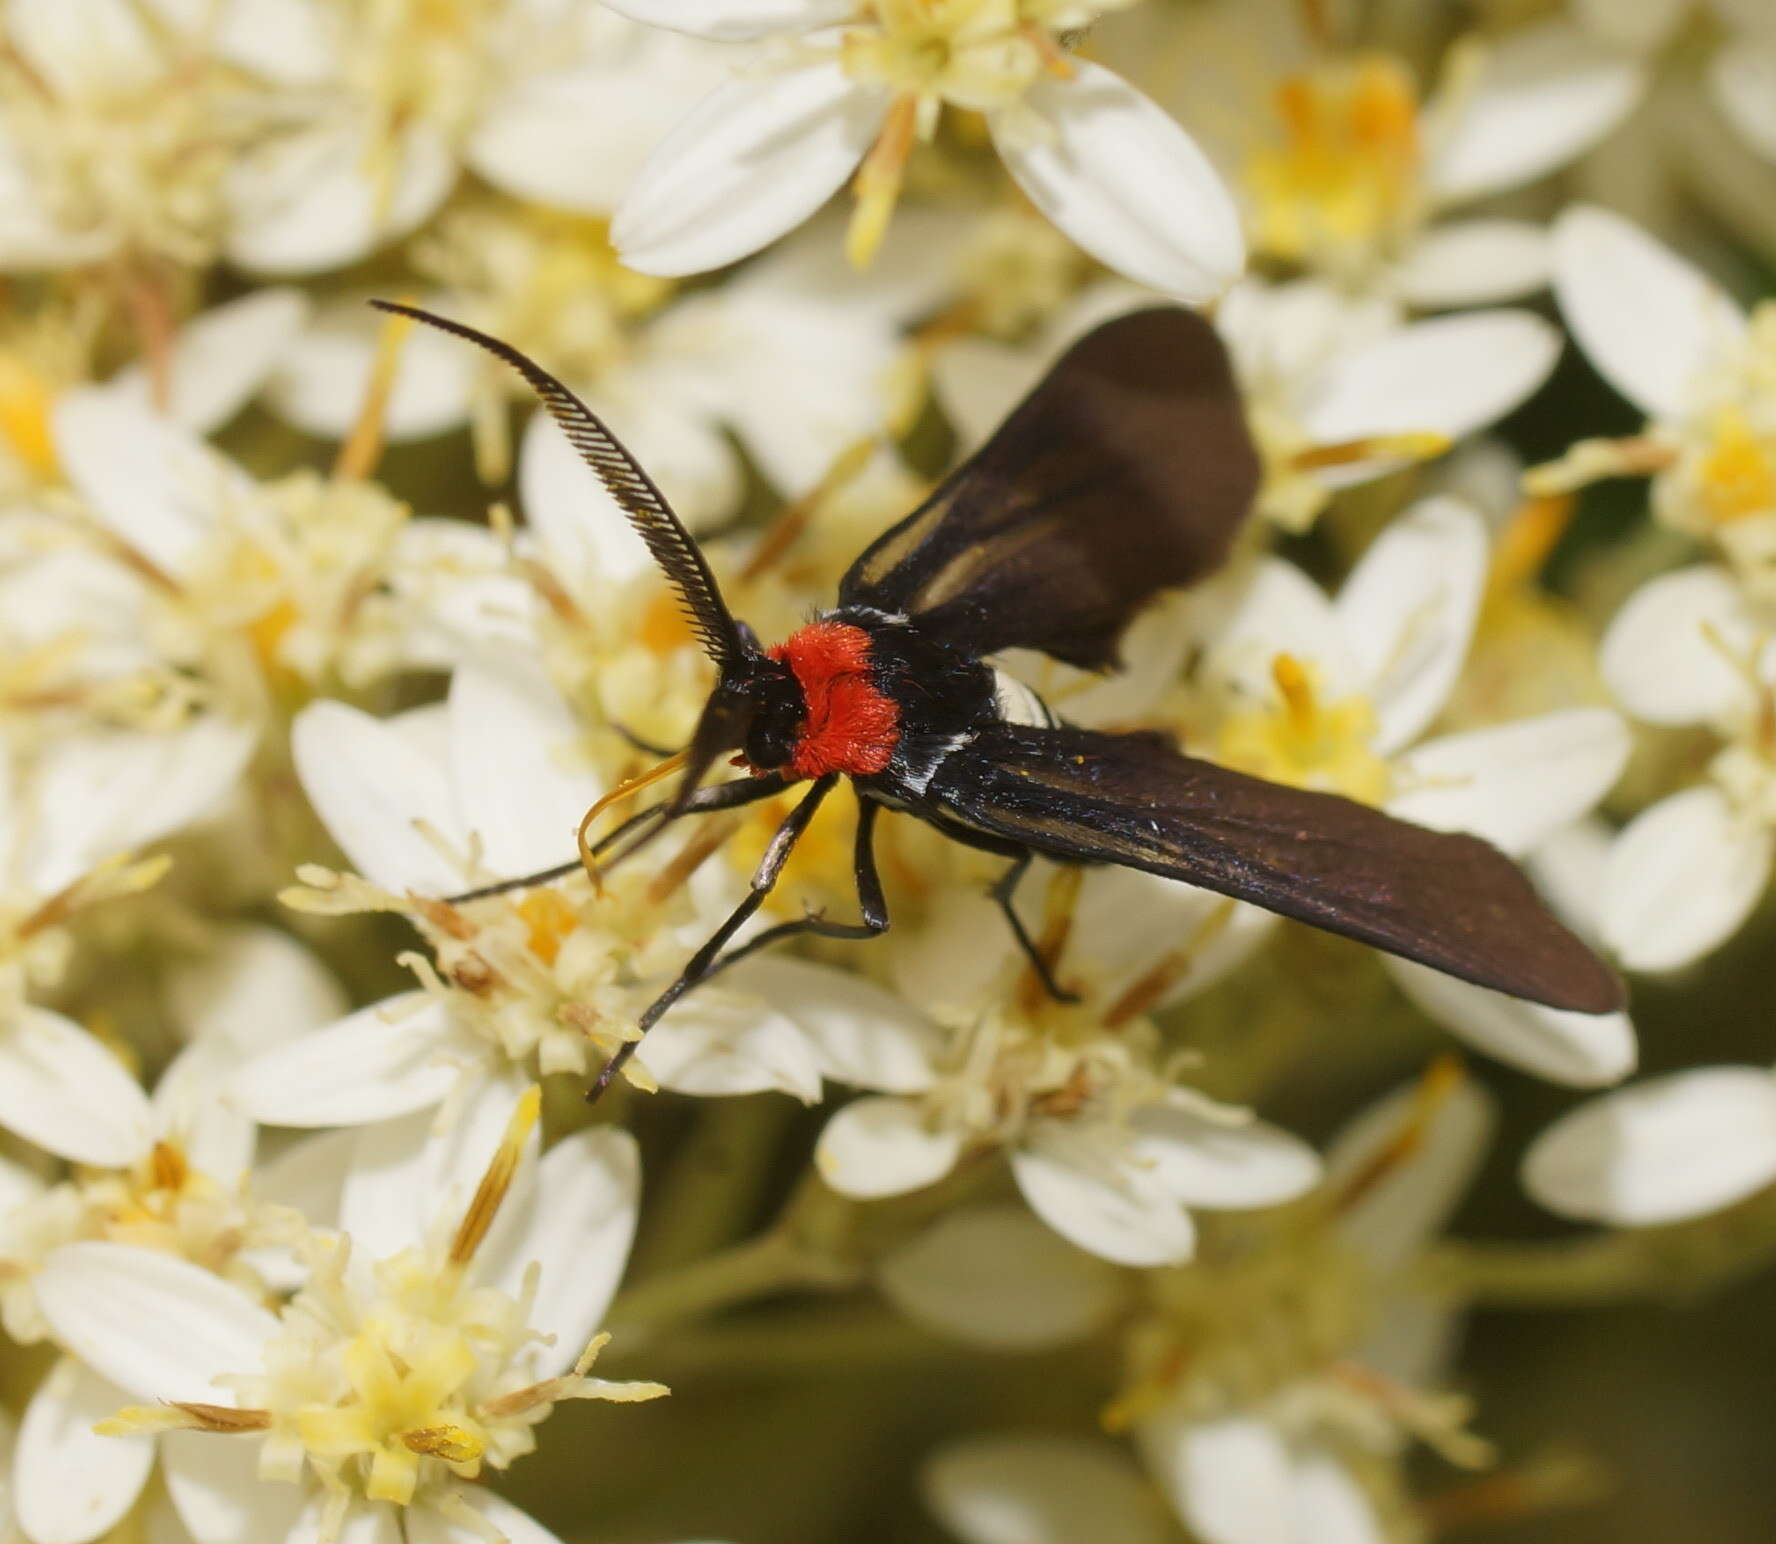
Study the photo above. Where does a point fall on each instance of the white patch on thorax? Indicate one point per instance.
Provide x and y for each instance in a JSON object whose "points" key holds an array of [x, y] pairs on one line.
{"points": [[1018, 704]]}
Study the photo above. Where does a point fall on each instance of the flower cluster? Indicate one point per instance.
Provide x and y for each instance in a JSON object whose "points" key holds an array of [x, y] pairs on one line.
{"points": [[314, 632]]}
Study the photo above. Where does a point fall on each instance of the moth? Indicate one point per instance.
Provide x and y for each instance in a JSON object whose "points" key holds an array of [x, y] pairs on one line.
{"points": [[1125, 472]]}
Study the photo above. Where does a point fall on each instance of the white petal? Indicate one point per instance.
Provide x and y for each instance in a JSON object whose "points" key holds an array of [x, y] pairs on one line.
{"points": [[312, 200], [283, 40], [1647, 319], [389, 1059], [1333, 1508], [257, 989], [220, 359], [996, 1277], [863, 1035], [31, 233], [1674, 651], [1568, 870], [882, 1146], [1585, 1050], [217, 1493], [798, 380], [753, 160], [1128, 924], [72, 43], [1545, 95], [441, 1161], [1228, 1478], [1082, 1183], [734, 21], [1682, 878], [152, 482], [1475, 263], [106, 791], [1399, 1208], [1120, 177], [372, 787], [1677, 1147], [1279, 610], [588, 539], [513, 774], [1206, 1163], [158, 1325], [73, 1484], [1743, 75], [217, 1138], [722, 1040], [322, 378], [1637, 24], [1515, 785], [1408, 613], [575, 140], [587, 1198], [60, 1088], [366, 1522], [1041, 1490], [424, 1526], [1450, 375]]}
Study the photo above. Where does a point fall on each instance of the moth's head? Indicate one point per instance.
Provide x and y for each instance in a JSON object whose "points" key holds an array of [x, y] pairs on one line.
{"points": [[757, 709]]}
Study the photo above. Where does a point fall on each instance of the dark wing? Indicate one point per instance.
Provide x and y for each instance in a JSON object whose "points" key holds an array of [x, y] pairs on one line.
{"points": [[1125, 472], [1452, 902]]}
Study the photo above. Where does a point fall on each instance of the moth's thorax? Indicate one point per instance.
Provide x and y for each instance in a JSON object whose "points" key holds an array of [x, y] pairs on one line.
{"points": [[851, 724]]}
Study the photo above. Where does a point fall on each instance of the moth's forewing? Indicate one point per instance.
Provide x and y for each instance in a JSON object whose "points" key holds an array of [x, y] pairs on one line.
{"points": [[1449, 901], [1125, 472]]}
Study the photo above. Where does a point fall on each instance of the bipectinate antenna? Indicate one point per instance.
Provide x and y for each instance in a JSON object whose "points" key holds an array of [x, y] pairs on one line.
{"points": [[672, 546]]}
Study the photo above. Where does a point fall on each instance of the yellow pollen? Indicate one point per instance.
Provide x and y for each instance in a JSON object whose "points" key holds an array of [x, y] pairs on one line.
{"points": [[549, 919], [266, 632], [1306, 741], [663, 627], [26, 400], [1737, 476], [1344, 178], [167, 1168]]}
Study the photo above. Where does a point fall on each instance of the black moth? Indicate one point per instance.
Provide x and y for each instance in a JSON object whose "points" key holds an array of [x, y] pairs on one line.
{"points": [[1126, 471]]}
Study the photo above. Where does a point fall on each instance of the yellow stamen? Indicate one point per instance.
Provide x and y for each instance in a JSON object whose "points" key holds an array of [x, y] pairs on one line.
{"points": [[1591, 461], [1435, 1089], [1058, 907], [363, 446], [1415, 445], [1737, 477], [26, 401], [793, 519], [1295, 687], [549, 918], [663, 628], [485, 1205], [877, 187], [1531, 533]]}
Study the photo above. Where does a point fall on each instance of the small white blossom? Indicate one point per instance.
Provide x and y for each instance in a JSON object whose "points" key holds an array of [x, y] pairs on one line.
{"points": [[859, 84], [415, 1356]]}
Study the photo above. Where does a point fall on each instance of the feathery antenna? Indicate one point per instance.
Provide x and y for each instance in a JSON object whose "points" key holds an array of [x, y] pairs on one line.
{"points": [[672, 546]]}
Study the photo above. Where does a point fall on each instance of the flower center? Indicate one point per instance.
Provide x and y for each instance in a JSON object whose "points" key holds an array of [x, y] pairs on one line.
{"points": [[1341, 185], [1305, 741]]}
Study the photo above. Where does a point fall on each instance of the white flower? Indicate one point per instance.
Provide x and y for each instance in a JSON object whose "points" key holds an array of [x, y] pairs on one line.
{"points": [[67, 830], [1338, 391], [1105, 1147], [115, 138], [1692, 647], [1336, 695], [859, 84], [1683, 351], [546, 980], [1350, 174], [383, 106], [240, 588], [796, 372], [1741, 75], [1663, 1151], [418, 1353], [1281, 1419], [1041, 1490]]}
